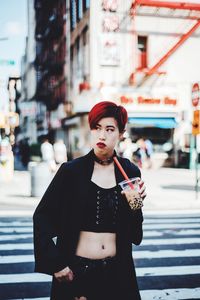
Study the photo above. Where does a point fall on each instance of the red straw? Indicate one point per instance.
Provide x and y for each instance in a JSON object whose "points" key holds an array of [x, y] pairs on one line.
{"points": [[122, 171]]}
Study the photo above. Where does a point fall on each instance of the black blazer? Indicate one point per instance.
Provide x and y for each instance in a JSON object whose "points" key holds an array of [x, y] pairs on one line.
{"points": [[58, 215]]}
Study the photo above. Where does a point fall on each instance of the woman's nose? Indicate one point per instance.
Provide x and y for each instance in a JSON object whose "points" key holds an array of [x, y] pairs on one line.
{"points": [[102, 135]]}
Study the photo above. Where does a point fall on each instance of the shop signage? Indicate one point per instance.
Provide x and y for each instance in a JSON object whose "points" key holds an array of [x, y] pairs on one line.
{"points": [[150, 100], [195, 94]]}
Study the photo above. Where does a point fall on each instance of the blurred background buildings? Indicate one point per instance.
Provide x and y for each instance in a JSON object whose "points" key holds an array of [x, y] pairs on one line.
{"points": [[141, 54]]}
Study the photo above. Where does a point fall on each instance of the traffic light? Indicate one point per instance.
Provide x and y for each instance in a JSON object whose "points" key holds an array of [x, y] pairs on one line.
{"points": [[195, 122]]}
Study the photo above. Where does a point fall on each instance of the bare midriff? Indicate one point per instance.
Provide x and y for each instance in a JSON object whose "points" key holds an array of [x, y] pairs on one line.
{"points": [[96, 245]]}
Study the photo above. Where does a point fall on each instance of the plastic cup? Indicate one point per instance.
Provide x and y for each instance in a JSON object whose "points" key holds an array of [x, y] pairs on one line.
{"points": [[130, 184], [131, 189]]}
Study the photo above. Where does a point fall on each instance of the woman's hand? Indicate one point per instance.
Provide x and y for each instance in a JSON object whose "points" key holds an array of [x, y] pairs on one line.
{"points": [[64, 275], [135, 197], [142, 189]]}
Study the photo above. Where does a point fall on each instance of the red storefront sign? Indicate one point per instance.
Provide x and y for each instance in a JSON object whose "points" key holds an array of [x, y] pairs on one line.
{"points": [[195, 94]]}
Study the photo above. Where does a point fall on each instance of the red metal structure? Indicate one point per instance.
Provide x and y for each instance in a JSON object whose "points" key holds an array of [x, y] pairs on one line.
{"points": [[167, 9]]}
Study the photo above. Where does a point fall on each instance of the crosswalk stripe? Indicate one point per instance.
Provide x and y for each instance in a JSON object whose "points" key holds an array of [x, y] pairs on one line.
{"points": [[170, 294], [15, 223], [166, 253], [167, 226], [16, 213], [170, 231], [171, 221], [24, 278], [16, 229], [10, 259], [173, 241], [22, 246], [168, 271], [15, 237]]}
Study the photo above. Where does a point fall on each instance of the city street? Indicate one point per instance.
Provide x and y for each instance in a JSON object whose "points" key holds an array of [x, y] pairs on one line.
{"points": [[167, 262]]}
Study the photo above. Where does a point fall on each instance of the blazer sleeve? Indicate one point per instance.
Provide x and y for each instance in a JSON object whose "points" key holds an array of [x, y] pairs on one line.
{"points": [[46, 226], [136, 216]]}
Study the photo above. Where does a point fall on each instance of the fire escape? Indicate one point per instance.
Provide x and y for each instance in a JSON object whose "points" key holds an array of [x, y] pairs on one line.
{"points": [[50, 35], [184, 11]]}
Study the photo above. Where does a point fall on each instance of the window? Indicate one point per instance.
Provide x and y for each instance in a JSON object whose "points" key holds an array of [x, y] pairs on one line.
{"points": [[80, 9], [142, 52], [86, 4], [73, 14]]}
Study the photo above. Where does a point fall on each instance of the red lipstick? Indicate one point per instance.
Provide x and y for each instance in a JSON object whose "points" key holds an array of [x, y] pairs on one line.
{"points": [[101, 145]]}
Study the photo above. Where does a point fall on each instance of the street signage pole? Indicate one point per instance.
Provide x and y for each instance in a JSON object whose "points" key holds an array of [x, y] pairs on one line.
{"points": [[196, 129]]}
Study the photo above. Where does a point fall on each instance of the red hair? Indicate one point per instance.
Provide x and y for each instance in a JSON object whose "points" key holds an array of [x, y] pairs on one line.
{"points": [[107, 109]]}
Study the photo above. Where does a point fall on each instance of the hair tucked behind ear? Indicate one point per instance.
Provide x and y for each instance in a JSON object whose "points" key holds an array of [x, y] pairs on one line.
{"points": [[106, 109]]}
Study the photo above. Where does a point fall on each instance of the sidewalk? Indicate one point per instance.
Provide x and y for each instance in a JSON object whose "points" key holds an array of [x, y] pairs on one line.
{"points": [[168, 190], [171, 189]]}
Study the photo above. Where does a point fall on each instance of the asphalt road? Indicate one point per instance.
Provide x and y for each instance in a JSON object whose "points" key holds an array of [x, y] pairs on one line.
{"points": [[167, 262]]}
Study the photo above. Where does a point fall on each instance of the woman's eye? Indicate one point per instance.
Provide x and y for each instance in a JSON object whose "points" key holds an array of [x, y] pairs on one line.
{"points": [[110, 130]]}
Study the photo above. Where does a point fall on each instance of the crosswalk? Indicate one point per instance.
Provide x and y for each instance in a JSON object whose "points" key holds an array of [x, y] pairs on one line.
{"points": [[167, 262]]}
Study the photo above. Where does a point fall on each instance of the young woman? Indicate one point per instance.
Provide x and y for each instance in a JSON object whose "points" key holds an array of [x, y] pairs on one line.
{"points": [[85, 225]]}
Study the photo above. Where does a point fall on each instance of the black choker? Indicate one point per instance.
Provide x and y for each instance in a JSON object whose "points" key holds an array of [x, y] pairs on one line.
{"points": [[103, 162]]}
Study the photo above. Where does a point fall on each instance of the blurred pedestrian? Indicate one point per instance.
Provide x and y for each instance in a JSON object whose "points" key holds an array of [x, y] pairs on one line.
{"points": [[84, 225], [60, 151], [47, 153], [24, 150], [149, 152], [142, 152]]}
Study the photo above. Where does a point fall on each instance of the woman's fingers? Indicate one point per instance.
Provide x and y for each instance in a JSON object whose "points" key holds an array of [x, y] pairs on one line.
{"points": [[142, 189], [64, 275]]}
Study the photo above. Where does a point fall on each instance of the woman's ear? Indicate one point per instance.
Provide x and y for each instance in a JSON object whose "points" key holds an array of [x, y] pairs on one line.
{"points": [[121, 134]]}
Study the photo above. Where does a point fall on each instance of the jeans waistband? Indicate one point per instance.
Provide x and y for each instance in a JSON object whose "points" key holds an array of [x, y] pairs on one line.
{"points": [[97, 262]]}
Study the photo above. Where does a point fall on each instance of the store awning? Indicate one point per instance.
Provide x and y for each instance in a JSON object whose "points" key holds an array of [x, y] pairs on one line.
{"points": [[166, 123]]}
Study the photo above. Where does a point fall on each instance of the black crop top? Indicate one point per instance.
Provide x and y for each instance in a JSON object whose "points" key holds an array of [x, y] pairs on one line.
{"points": [[101, 209]]}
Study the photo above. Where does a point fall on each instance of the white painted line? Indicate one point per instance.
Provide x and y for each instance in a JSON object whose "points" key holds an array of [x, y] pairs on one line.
{"points": [[10, 259], [169, 220], [16, 229], [170, 294], [184, 232], [168, 271], [16, 223], [166, 253], [168, 226], [174, 241], [173, 211], [24, 278], [16, 213], [151, 233], [25, 246], [15, 237]]}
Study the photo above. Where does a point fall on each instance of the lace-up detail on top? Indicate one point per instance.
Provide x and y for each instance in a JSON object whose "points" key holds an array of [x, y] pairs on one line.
{"points": [[101, 209]]}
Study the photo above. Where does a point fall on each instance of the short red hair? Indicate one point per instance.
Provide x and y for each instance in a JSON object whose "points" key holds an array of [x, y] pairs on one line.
{"points": [[107, 109]]}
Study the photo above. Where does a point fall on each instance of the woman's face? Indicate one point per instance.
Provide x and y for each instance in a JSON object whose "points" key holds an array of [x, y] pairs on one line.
{"points": [[105, 137]]}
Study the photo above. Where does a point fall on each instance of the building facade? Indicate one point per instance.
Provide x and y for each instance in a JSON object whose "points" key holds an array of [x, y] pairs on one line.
{"points": [[51, 65], [141, 54]]}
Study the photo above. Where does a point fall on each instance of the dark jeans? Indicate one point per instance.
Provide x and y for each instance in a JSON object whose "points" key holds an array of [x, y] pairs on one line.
{"points": [[94, 278]]}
